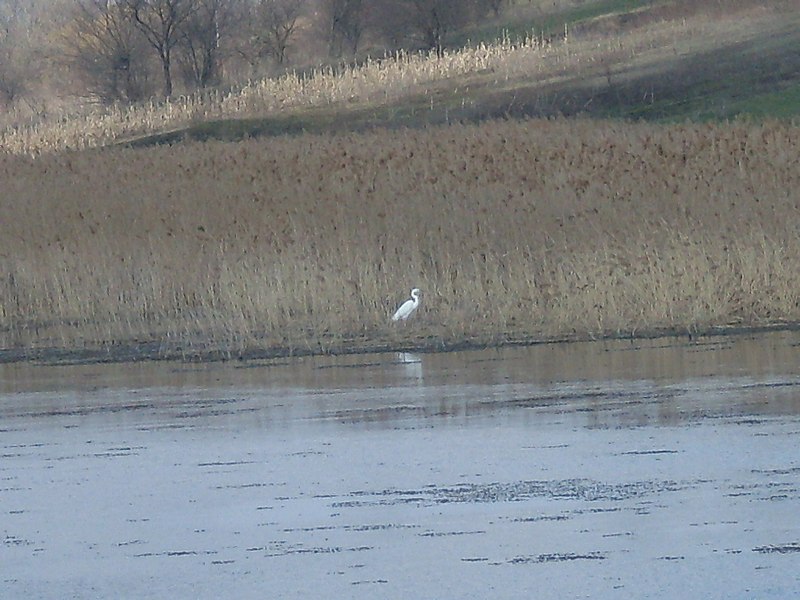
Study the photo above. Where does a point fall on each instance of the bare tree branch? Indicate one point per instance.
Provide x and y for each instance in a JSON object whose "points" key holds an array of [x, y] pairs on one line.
{"points": [[160, 21], [275, 25], [345, 21], [105, 47], [201, 36]]}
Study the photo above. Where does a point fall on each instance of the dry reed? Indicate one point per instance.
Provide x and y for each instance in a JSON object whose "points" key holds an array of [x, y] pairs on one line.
{"points": [[513, 230]]}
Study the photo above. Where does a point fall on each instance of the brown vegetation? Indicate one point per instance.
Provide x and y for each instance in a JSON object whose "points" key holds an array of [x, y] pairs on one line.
{"points": [[513, 230]]}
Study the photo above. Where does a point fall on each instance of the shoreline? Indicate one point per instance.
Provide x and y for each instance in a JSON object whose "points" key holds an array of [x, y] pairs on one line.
{"points": [[156, 351]]}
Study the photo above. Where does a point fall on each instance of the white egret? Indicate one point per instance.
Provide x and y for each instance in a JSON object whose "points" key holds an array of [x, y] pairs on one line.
{"points": [[408, 307]]}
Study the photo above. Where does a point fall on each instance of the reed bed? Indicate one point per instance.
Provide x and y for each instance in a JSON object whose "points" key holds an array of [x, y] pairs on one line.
{"points": [[513, 230], [532, 60]]}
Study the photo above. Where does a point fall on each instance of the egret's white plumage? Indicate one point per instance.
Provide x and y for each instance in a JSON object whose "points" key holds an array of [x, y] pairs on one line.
{"points": [[408, 307]]}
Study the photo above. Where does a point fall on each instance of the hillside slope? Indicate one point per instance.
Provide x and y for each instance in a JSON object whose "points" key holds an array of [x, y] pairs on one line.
{"points": [[658, 60], [653, 64]]}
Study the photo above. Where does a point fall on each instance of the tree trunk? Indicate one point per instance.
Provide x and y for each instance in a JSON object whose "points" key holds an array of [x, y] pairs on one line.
{"points": [[167, 70]]}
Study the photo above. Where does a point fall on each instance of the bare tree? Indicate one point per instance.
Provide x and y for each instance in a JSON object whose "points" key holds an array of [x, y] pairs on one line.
{"points": [[496, 6], [201, 37], [12, 76], [345, 21], [391, 21], [275, 25], [435, 19], [161, 21], [104, 45], [424, 23]]}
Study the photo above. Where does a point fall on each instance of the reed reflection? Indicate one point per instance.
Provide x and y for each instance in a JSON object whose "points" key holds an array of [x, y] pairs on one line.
{"points": [[601, 384]]}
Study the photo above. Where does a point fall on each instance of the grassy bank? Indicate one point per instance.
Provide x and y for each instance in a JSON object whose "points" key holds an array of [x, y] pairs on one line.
{"points": [[513, 230]]}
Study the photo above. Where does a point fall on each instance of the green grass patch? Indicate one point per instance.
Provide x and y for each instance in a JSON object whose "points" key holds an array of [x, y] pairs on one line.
{"points": [[722, 104], [783, 103], [547, 24]]}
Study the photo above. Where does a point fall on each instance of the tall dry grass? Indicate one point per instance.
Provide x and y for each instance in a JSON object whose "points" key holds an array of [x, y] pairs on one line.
{"points": [[593, 53], [513, 230]]}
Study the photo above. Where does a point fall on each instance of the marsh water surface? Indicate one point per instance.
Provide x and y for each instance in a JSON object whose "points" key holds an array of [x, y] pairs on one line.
{"points": [[658, 469]]}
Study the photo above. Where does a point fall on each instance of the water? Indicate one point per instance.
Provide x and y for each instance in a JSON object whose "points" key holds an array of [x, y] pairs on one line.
{"points": [[659, 469]]}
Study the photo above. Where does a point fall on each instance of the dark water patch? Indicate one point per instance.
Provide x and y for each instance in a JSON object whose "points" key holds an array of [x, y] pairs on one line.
{"points": [[789, 471], [30, 445], [571, 489], [351, 365], [436, 534], [671, 344], [95, 409], [555, 557], [567, 396], [547, 447], [126, 448], [130, 543], [747, 420], [618, 534], [310, 529], [596, 510], [246, 486], [772, 491], [112, 454], [95, 404], [779, 549], [65, 457], [646, 452], [230, 463], [588, 401], [10, 540], [371, 415], [770, 385], [708, 347], [168, 427], [540, 518], [201, 412], [777, 497], [379, 527], [301, 550], [176, 553], [257, 364]]}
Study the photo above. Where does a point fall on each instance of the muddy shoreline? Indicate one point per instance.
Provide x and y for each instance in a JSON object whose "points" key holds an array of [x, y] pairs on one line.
{"points": [[127, 352]]}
